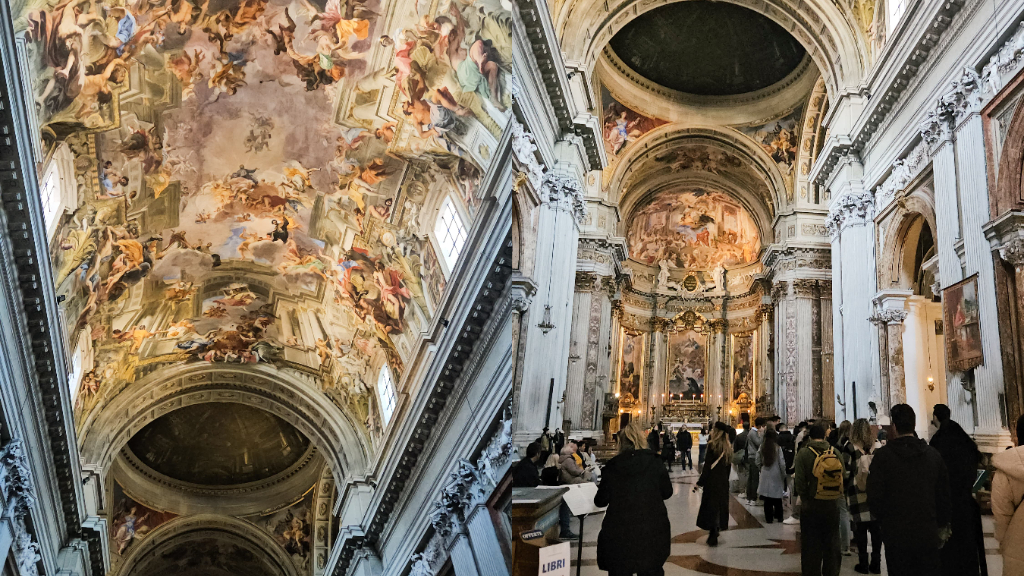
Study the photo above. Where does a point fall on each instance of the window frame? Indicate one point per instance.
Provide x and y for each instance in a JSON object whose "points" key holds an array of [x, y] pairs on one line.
{"points": [[52, 201], [442, 229], [387, 396]]}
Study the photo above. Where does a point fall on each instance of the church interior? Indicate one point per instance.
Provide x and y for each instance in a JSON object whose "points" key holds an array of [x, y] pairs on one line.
{"points": [[291, 285]]}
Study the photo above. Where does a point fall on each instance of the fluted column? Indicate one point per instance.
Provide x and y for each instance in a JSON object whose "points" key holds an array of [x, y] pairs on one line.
{"points": [[827, 398], [841, 391], [549, 321], [850, 222], [973, 184], [766, 369]]}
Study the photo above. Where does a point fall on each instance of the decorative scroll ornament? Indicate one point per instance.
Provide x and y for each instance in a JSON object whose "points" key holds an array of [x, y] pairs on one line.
{"points": [[524, 147], [19, 496], [903, 171], [889, 316], [1003, 63], [564, 193], [848, 210], [1013, 252]]}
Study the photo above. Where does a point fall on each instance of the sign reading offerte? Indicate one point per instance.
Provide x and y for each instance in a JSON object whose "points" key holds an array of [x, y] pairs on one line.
{"points": [[554, 560]]}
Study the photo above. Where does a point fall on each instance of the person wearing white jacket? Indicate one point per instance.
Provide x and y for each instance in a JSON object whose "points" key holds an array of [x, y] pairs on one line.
{"points": [[1008, 504]]}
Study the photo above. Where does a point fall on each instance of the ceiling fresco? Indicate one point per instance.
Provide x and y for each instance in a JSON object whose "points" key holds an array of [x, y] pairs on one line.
{"points": [[708, 48], [219, 444], [694, 229], [257, 180]]}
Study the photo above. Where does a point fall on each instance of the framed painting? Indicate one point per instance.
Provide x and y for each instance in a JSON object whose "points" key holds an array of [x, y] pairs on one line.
{"points": [[631, 366], [962, 325], [687, 361], [743, 367]]}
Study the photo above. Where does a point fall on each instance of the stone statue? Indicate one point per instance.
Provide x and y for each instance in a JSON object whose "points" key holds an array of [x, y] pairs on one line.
{"points": [[718, 277], [663, 282]]}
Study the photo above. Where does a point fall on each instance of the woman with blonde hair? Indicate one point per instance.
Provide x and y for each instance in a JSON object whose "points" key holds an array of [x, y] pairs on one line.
{"points": [[714, 479], [635, 535]]}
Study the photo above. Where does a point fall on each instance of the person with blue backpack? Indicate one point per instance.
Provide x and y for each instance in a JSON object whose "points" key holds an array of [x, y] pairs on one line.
{"points": [[819, 483]]}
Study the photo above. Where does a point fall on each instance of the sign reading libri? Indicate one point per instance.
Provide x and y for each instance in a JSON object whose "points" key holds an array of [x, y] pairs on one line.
{"points": [[554, 560]]}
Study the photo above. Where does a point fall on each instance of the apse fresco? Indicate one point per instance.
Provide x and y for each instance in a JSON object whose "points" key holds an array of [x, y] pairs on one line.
{"points": [[694, 229], [622, 125], [291, 528], [257, 180], [687, 358], [779, 139], [631, 366], [131, 522], [743, 368]]}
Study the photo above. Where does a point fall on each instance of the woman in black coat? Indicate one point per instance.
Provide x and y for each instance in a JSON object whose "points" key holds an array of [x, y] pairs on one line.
{"points": [[635, 535], [713, 515]]}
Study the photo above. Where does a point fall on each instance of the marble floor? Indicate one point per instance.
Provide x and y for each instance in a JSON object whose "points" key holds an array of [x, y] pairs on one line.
{"points": [[749, 548]]}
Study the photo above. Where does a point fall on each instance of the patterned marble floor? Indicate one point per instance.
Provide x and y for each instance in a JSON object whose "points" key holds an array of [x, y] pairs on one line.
{"points": [[749, 548]]}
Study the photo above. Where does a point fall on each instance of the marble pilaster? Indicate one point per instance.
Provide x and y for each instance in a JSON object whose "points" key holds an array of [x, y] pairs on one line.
{"points": [[851, 222], [578, 348], [547, 334], [973, 183]]}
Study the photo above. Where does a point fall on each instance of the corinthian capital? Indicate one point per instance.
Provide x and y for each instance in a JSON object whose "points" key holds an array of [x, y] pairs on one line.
{"points": [[564, 193], [849, 210], [889, 316], [1013, 252]]}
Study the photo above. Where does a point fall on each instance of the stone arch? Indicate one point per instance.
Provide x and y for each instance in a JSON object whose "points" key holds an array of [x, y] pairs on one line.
{"points": [[185, 531], [917, 208], [293, 396], [1009, 190], [840, 53], [664, 138]]}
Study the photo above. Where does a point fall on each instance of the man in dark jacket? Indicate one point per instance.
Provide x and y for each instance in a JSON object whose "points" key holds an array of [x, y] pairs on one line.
{"points": [[819, 519], [684, 443], [788, 444], [524, 472], [908, 488], [964, 553], [654, 441]]}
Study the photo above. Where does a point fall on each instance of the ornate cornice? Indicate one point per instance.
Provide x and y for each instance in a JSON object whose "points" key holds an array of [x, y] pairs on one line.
{"points": [[543, 44], [26, 256], [882, 103], [850, 209]]}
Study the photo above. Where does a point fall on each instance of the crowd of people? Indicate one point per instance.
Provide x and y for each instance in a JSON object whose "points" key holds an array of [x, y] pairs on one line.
{"points": [[852, 488]]}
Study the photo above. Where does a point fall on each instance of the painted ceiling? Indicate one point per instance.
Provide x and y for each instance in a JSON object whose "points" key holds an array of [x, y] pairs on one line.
{"points": [[708, 48], [694, 229], [258, 180]]}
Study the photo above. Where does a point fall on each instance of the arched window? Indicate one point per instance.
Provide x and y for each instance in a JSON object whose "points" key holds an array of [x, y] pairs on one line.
{"points": [[386, 391], [49, 193], [450, 232]]}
